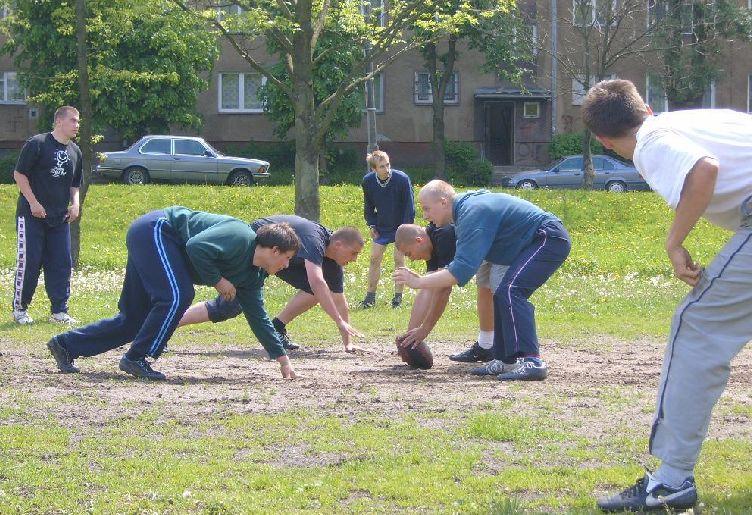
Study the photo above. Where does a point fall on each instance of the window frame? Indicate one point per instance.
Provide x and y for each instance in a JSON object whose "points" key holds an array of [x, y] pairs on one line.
{"points": [[455, 81], [172, 147], [382, 8], [4, 92], [241, 94], [378, 94], [537, 110], [575, 5], [649, 100]]}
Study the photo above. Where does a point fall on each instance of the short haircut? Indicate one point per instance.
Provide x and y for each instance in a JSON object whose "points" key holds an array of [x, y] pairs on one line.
{"points": [[348, 235], [613, 108], [279, 235], [63, 112], [436, 189], [375, 157], [406, 234]]}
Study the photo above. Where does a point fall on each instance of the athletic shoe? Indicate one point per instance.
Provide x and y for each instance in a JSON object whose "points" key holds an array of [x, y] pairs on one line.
{"points": [[473, 354], [62, 318], [22, 317], [650, 495], [140, 368], [369, 301], [62, 358], [526, 369], [492, 368], [396, 300], [287, 344]]}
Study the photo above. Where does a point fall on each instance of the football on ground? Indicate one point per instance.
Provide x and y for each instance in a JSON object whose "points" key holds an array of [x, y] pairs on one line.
{"points": [[416, 357]]}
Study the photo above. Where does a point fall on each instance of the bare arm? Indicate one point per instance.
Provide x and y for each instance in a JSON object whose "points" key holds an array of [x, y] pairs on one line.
{"points": [[344, 309], [441, 279], [23, 184], [422, 323], [75, 208], [695, 198], [322, 292]]}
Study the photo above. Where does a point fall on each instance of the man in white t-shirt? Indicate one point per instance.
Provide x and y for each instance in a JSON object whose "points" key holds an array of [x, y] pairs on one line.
{"points": [[700, 162]]}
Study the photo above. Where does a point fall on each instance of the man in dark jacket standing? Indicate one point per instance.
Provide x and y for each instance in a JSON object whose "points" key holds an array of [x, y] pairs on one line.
{"points": [[168, 252], [48, 174]]}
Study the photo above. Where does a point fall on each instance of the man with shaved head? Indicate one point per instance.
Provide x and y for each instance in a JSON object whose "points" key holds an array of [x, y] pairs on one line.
{"points": [[502, 230]]}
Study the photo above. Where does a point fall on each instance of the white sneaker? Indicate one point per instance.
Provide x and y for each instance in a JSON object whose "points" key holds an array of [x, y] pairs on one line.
{"points": [[62, 318], [22, 317]]}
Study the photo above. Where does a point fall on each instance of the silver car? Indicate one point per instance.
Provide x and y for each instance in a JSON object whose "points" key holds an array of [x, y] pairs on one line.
{"points": [[179, 159], [610, 174]]}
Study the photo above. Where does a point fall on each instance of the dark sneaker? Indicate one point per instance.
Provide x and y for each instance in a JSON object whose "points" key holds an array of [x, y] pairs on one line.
{"points": [[473, 354], [492, 368], [140, 368], [62, 358], [526, 369], [287, 344], [650, 495], [396, 300], [369, 301]]}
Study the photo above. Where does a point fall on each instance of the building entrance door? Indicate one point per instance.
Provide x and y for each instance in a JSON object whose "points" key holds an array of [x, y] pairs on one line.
{"points": [[499, 132]]}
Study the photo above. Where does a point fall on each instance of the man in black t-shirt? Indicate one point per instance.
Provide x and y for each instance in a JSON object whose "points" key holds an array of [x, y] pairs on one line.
{"points": [[316, 271], [436, 246], [48, 174]]}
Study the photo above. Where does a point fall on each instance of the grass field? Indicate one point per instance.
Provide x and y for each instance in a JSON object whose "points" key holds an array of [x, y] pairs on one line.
{"points": [[359, 433]]}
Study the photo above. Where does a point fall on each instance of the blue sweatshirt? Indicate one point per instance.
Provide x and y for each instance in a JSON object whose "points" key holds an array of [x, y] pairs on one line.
{"points": [[222, 246], [386, 208], [491, 226]]}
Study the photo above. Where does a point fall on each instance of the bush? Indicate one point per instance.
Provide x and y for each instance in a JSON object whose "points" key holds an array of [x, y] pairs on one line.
{"points": [[7, 165], [566, 144], [280, 154], [464, 166]]}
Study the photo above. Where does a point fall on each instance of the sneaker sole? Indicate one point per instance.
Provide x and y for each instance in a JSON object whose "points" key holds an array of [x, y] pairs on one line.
{"points": [[517, 378]]}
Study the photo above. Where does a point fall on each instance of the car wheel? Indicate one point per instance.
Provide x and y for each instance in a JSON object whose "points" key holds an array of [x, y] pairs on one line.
{"points": [[135, 175], [241, 178], [527, 184], [616, 187]]}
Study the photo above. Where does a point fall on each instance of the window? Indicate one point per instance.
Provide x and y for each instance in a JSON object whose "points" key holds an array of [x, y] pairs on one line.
{"points": [[378, 93], [687, 17], [374, 8], [601, 163], [657, 10], [423, 93], [4, 12], [571, 164], [238, 93], [531, 110], [226, 11], [189, 147], [529, 38], [655, 95], [157, 146], [583, 12], [11, 91], [749, 92], [708, 98]]}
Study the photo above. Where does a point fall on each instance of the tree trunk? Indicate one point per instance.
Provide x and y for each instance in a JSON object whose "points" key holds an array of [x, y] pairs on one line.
{"points": [[307, 150], [587, 161], [85, 141], [439, 137]]}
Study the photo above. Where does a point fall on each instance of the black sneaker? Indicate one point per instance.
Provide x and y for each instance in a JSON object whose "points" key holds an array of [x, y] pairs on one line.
{"points": [[62, 358], [526, 369], [650, 495], [140, 368], [287, 344], [396, 300], [473, 354], [369, 301]]}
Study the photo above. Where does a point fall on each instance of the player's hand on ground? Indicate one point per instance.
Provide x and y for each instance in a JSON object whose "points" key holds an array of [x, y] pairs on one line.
{"points": [[286, 368], [412, 337], [404, 275], [73, 212], [37, 210], [226, 289], [684, 268], [351, 348]]}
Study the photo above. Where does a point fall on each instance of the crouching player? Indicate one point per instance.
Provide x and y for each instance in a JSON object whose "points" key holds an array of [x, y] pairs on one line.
{"points": [[168, 252]]}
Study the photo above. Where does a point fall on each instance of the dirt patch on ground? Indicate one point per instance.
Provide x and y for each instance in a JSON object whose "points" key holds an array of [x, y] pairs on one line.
{"points": [[595, 389]]}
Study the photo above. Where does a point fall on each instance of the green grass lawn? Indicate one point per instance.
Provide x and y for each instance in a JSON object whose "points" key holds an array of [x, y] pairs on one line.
{"points": [[249, 453]]}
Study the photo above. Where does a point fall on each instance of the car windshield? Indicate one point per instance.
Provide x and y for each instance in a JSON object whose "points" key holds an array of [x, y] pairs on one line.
{"points": [[217, 152]]}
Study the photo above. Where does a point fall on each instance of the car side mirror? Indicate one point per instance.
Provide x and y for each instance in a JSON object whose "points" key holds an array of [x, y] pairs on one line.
{"points": [[208, 153], [555, 170]]}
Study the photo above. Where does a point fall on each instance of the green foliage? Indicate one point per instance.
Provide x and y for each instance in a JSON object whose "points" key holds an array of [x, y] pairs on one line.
{"points": [[280, 154], [147, 61], [568, 143], [464, 166], [8, 162]]}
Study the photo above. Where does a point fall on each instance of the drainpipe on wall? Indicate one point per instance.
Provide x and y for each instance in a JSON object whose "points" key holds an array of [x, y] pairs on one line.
{"points": [[554, 64]]}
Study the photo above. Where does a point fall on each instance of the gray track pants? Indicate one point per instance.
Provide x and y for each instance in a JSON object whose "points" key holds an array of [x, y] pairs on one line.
{"points": [[709, 328]]}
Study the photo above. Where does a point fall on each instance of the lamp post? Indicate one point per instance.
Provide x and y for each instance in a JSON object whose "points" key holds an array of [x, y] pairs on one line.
{"points": [[370, 94]]}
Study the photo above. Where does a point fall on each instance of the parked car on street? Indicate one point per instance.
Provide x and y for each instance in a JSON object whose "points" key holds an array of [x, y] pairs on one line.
{"points": [[610, 174], [180, 159]]}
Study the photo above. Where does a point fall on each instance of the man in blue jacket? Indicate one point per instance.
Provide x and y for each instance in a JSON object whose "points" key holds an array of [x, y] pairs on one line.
{"points": [[387, 203], [502, 230], [168, 252]]}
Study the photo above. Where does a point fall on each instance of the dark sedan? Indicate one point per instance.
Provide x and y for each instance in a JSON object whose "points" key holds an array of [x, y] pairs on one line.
{"points": [[180, 159], [610, 175]]}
